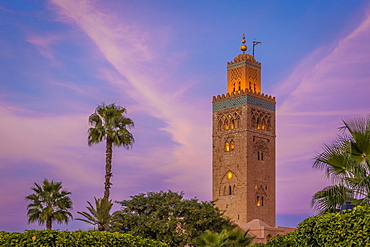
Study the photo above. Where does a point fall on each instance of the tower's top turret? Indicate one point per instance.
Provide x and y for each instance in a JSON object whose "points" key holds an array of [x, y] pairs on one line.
{"points": [[244, 73]]}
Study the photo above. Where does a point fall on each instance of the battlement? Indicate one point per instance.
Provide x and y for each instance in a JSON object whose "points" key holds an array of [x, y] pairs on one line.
{"points": [[241, 93]]}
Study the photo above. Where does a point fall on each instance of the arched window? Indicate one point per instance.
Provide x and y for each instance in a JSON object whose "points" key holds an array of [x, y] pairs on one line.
{"points": [[250, 86], [261, 155], [220, 125], [233, 87], [232, 145], [262, 201], [239, 86], [254, 121], [227, 147], [230, 190], [237, 122], [258, 201], [263, 124], [258, 155], [226, 124], [232, 124], [255, 88], [258, 123]]}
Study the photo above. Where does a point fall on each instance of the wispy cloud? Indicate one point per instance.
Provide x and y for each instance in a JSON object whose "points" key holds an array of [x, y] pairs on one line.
{"points": [[141, 74], [43, 45], [329, 85]]}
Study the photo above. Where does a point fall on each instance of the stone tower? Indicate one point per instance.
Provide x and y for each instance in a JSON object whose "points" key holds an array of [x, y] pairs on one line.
{"points": [[243, 141]]}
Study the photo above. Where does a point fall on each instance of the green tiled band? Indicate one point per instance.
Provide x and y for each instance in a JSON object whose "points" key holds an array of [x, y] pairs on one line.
{"points": [[243, 100]]}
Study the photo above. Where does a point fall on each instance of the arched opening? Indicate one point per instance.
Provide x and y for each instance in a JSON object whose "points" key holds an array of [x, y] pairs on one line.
{"points": [[232, 124], [250, 86], [263, 124], [262, 201], [254, 121], [230, 190], [232, 145], [268, 237], [258, 123], [258, 201], [220, 124], [237, 122], [239, 86], [227, 147]]}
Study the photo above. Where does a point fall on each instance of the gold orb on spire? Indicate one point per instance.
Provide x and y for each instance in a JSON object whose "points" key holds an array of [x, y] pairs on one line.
{"points": [[243, 47]]}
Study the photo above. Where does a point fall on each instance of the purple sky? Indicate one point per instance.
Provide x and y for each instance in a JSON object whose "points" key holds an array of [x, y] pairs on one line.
{"points": [[164, 60]]}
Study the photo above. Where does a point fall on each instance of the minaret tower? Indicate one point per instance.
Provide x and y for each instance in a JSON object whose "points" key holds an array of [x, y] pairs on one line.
{"points": [[243, 140]]}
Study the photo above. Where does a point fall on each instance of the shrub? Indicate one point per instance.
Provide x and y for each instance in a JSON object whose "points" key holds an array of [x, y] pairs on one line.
{"points": [[335, 229], [287, 240], [76, 238], [328, 230], [258, 245]]}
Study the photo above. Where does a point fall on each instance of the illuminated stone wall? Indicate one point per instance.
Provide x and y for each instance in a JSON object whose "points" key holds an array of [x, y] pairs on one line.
{"points": [[244, 154]]}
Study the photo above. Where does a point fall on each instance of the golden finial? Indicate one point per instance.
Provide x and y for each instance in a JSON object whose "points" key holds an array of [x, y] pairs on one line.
{"points": [[243, 47]]}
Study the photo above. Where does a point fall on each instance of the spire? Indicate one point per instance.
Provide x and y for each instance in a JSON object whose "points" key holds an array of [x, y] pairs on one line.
{"points": [[243, 47]]}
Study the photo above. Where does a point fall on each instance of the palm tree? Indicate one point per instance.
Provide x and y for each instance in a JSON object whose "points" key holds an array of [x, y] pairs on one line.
{"points": [[110, 124], [211, 239], [346, 163], [49, 203], [239, 238], [226, 238], [100, 215]]}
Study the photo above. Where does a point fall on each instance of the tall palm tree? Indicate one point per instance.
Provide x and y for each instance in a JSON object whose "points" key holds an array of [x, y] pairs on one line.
{"points": [[110, 124], [49, 203], [346, 163], [100, 215]]}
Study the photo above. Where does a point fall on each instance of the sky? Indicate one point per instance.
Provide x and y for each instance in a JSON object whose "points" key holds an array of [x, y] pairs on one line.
{"points": [[164, 60]]}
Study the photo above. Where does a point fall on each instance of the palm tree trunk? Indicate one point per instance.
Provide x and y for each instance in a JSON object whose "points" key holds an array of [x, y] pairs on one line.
{"points": [[108, 168], [48, 223]]}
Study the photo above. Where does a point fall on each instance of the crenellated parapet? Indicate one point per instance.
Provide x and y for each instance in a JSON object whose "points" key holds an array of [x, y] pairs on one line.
{"points": [[242, 93]]}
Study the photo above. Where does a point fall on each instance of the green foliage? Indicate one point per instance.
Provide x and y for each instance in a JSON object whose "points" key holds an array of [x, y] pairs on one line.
{"points": [[110, 124], [287, 240], [334, 229], [49, 203], [74, 239], [168, 217], [100, 215], [258, 245], [346, 161], [329, 230], [226, 238]]}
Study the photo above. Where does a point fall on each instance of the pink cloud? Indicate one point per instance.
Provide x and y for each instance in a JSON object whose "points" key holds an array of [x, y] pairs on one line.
{"points": [[329, 85], [43, 45], [150, 83]]}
